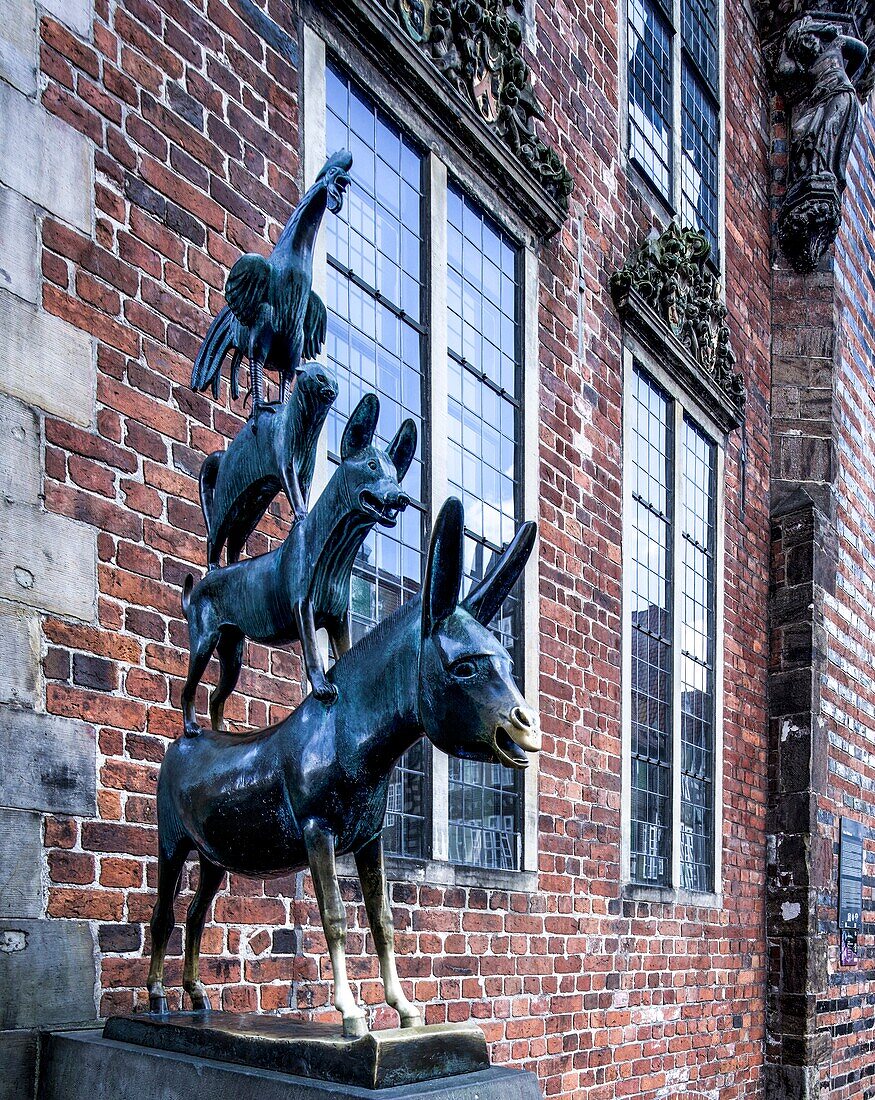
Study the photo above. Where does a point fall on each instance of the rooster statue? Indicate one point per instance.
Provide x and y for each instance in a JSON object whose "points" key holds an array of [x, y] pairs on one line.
{"points": [[273, 315]]}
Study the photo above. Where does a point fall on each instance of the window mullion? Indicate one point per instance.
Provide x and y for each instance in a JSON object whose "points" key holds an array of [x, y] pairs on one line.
{"points": [[438, 433], [677, 620]]}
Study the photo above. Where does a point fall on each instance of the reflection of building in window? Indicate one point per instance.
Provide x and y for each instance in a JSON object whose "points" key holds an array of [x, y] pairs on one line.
{"points": [[674, 104], [483, 407], [375, 343], [672, 596]]}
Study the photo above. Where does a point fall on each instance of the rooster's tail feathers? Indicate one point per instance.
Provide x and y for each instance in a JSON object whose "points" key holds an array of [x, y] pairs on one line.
{"points": [[217, 343]]}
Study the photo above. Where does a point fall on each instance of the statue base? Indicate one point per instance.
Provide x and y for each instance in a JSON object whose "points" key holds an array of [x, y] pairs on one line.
{"points": [[239, 1057]]}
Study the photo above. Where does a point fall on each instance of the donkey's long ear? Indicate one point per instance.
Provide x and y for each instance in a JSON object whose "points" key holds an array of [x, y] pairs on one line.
{"points": [[360, 427], [485, 598], [443, 571], [403, 447]]}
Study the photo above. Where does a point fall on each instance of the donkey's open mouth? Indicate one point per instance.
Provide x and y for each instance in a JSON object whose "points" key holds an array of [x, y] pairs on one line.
{"points": [[384, 511], [508, 751]]}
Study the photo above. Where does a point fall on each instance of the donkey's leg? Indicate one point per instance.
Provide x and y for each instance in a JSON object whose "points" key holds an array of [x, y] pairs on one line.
{"points": [[230, 654], [208, 883], [198, 659], [170, 864], [320, 855], [323, 689], [339, 636], [372, 875]]}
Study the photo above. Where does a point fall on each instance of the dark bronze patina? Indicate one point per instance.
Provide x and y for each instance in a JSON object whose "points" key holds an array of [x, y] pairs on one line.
{"points": [[289, 593], [237, 485], [378, 1060], [273, 316], [315, 786]]}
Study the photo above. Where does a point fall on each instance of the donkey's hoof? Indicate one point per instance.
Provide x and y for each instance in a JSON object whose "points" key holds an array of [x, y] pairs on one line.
{"points": [[158, 1002], [354, 1027], [412, 1019], [192, 729], [200, 1000]]}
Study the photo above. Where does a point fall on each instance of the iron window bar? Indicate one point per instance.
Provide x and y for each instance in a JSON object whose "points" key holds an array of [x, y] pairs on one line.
{"points": [[377, 295]]}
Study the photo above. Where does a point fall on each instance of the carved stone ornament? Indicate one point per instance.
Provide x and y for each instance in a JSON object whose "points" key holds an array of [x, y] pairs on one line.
{"points": [[476, 45], [670, 295]]}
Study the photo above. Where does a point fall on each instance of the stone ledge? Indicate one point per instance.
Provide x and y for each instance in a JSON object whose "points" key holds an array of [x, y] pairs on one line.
{"points": [[83, 1066]]}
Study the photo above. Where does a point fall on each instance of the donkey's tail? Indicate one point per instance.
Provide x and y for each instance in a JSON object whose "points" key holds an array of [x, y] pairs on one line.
{"points": [[186, 592]]}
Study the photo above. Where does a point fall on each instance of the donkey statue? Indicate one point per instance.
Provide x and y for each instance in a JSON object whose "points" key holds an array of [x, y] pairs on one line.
{"points": [[287, 594], [315, 786], [237, 484]]}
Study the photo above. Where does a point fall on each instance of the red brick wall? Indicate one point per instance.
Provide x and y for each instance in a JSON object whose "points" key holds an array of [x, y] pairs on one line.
{"points": [[196, 127], [848, 691]]}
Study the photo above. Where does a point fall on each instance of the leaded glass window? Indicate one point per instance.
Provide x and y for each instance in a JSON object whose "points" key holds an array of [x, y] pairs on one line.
{"points": [[376, 343], [671, 535], [673, 76], [483, 406]]}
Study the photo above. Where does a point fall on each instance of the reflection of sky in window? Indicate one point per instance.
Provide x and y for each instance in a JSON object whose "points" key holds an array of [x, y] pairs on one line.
{"points": [[700, 140], [482, 406], [373, 297], [649, 74]]}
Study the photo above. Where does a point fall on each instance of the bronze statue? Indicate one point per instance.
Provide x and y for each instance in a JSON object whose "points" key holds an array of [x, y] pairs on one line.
{"points": [[237, 485], [315, 786], [289, 593], [815, 72], [273, 315]]}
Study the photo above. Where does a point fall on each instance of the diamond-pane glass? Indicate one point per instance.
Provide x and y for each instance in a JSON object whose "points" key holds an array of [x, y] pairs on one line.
{"points": [[650, 508], [375, 344], [697, 518], [650, 92], [483, 407]]}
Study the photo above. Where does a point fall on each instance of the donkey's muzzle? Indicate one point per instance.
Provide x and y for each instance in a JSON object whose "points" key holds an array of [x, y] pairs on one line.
{"points": [[384, 509], [517, 738]]}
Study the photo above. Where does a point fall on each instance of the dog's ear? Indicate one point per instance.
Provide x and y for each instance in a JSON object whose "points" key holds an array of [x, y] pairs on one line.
{"points": [[403, 447], [360, 428]]}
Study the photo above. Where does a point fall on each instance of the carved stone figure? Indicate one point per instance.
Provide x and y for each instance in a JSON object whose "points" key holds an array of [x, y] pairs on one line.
{"points": [[273, 316], [289, 593], [670, 275], [315, 786], [237, 484], [815, 71]]}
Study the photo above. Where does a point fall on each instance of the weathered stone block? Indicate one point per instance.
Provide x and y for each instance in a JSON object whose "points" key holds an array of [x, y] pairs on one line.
{"points": [[18, 1057], [55, 763], [46, 361], [19, 247], [19, 656], [20, 862], [78, 15], [791, 692], [44, 158], [18, 45], [20, 470], [47, 561], [47, 973], [792, 1082]]}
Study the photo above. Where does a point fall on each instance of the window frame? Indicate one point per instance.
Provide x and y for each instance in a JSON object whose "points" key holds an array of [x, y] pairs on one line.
{"points": [[683, 405], [441, 165], [667, 207]]}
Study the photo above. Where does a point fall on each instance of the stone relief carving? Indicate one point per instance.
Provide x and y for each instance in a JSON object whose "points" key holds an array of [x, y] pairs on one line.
{"points": [[476, 44], [669, 274], [815, 71]]}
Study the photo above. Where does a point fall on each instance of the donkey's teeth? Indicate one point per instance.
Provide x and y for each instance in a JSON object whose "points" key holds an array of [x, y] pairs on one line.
{"points": [[508, 751]]}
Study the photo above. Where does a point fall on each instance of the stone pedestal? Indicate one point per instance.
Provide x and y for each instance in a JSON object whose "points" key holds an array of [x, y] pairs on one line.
{"points": [[433, 1063]]}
